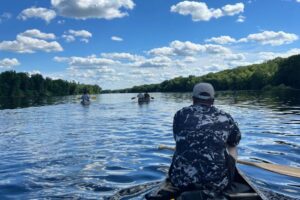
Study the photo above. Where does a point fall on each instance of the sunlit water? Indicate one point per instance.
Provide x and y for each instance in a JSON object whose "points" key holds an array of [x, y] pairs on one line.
{"points": [[60, 149]]}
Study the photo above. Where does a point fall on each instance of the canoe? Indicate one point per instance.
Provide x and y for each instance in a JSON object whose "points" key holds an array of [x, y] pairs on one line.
{"points": [[85, 103], [143, 100], [241, 189]]}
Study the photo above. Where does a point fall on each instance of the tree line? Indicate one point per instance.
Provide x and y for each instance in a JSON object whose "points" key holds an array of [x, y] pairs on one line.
{"points": [[13, 84], [283, 72]]}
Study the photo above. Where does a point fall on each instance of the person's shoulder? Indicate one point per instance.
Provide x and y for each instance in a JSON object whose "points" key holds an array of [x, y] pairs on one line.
{"points": [[184, 110], [221, 112]]}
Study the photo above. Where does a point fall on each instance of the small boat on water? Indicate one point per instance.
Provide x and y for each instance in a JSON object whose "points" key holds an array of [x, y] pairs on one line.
{"points": [[241, 189], [143, 100], [85, 103]]}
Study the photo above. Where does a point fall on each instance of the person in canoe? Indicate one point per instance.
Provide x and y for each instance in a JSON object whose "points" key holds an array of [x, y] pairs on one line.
{"points": [[141, 98], [85, 98], [204, 158], [147, 96]]}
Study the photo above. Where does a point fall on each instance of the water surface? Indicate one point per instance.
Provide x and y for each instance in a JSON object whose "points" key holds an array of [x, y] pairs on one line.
{"points": [[57, 148]]}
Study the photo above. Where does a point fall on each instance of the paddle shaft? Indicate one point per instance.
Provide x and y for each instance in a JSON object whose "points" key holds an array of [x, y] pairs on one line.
{"points": [[280, 169]]}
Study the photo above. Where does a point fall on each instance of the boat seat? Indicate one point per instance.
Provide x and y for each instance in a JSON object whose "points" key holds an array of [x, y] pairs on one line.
{"points": [[240, 190], [250, 196]]}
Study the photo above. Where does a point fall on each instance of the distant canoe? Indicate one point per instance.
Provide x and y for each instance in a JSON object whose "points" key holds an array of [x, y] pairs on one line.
{"points": [[143, 100], [85, 103]]}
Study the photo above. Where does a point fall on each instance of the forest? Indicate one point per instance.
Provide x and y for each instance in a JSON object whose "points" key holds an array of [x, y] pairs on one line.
{"points": [[13, 84], [279, 72]]}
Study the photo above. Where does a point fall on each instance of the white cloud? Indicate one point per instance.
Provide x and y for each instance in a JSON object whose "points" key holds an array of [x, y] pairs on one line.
{"points": [[106, 70], [71, 35], [8, 63], [241, 19], [61, 21], [235, 9], [123, 56], [186, 48], [216, 49], [266, 38], [42, 13], [272, 55], [35, 33], [68, 38], [101, 9], [116, 38], [26, 42], [81, 33], [179, 48], [164, 51], [86, 62], [5, 16], [200, 11], [159, 61], [34, 72], [84, 40], [272, 38], [221, 40], [235, 57]]}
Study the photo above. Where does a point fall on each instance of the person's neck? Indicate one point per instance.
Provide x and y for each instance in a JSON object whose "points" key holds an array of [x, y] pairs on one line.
{"points": [[203, 104]]}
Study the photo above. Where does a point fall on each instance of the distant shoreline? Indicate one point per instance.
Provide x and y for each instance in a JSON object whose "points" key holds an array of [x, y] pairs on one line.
{"points": [[276, 73]]}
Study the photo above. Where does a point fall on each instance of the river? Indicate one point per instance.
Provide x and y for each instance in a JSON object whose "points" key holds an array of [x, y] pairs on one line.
{"points": [[57, 148]]}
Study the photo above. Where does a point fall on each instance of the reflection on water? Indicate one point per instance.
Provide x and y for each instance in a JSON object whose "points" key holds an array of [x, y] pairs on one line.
{"points": [[56, 148]]}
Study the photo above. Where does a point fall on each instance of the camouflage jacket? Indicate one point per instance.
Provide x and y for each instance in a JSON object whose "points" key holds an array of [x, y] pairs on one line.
{"points": [[202, 134]]}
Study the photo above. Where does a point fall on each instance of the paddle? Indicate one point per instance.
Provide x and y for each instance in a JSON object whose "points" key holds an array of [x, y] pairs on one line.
{"points": [[280, 169], [133, 97]]}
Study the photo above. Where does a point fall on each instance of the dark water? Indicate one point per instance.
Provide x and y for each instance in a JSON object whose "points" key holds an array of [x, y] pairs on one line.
{"points": [[56, 148]]}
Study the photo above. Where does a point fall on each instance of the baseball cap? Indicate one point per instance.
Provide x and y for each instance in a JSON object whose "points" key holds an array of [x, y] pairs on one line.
{"points": [[204, 91]]}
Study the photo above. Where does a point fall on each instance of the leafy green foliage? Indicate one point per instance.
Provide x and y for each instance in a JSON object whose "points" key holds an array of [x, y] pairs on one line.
{"points": [[283, 72], [14, 84]]}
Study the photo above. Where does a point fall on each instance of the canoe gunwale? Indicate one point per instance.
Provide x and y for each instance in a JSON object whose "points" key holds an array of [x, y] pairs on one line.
{"points": [[246, 179], [249, 195]]}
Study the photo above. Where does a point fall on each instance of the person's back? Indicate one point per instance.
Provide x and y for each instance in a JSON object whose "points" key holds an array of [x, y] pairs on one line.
{"points": [[85, 97], [202, 134], [147, 96], [140, 96]]}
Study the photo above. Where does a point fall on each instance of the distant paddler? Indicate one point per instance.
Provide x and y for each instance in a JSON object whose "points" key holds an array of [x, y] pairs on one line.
{"points": [[85, 98], [143, 98], [146, 96]]}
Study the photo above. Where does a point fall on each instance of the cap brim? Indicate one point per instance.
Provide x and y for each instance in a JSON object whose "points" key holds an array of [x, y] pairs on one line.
{"points": [[203, 97]]}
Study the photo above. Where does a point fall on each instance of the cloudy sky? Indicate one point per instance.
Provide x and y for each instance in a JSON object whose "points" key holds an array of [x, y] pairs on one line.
{"points": [[122, 43]]}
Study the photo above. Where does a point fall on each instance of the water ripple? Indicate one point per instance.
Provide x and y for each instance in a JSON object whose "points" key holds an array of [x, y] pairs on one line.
{"points": [[62, 150]]}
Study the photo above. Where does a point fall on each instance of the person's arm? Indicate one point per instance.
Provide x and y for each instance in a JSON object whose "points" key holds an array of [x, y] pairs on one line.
{"points": [[175, 125], [233, 138], [233, 152]]}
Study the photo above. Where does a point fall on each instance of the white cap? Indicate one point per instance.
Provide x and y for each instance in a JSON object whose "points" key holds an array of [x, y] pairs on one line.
{"points": [[204, 88]]}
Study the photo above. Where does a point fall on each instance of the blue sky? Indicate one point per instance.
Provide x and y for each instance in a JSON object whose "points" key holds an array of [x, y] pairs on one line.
{"points": [[123, 43]]}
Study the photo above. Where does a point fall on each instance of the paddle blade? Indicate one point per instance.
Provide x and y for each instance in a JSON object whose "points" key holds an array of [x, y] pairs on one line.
{"points": [[166, 147], [280, 169], [133, 98]]}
